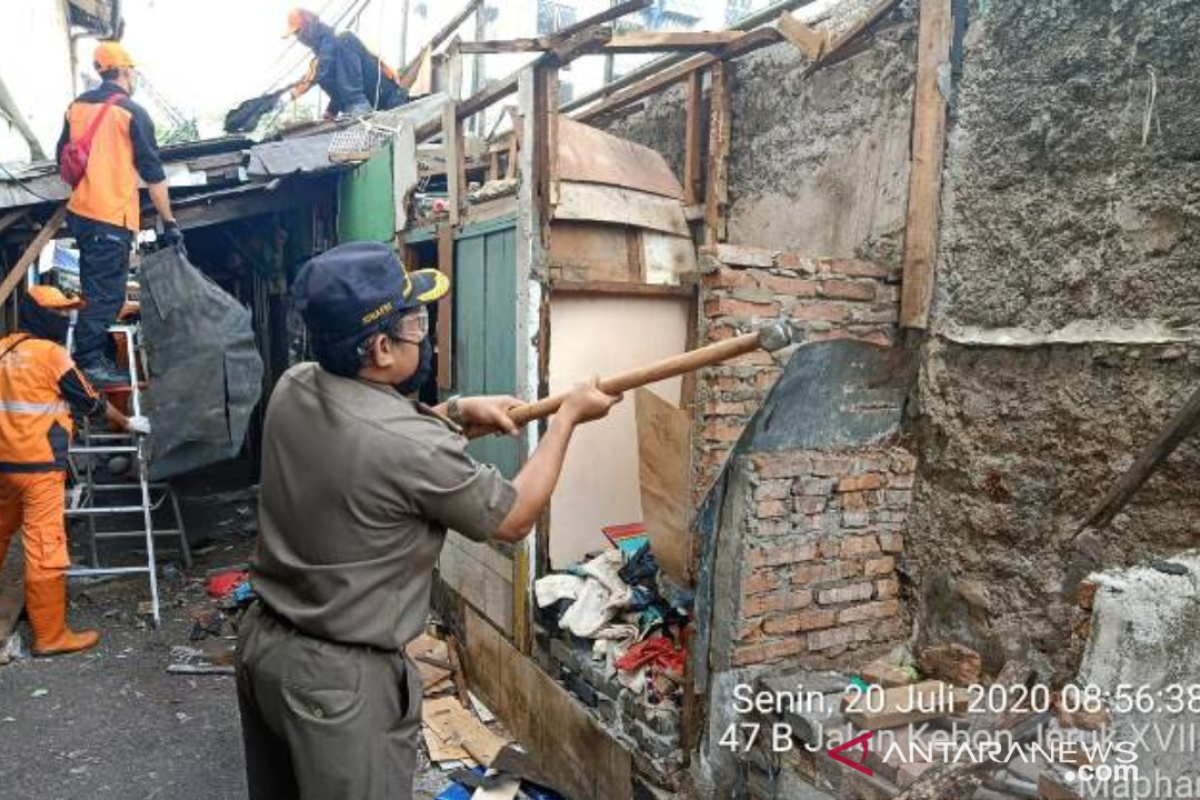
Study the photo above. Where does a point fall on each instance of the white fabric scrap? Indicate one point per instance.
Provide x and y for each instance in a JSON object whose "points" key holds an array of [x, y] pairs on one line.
{"points": [[552, 588]]}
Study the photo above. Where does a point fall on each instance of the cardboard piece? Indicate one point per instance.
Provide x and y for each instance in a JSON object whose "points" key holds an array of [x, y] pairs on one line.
{"points": [[456, 726], [664, 434]]}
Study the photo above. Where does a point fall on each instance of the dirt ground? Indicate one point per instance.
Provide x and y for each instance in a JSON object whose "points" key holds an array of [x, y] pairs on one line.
{"points": [[113, 723]]}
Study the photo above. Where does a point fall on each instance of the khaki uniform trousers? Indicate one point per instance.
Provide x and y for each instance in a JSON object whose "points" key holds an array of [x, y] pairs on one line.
{"points": [[324, 721]]}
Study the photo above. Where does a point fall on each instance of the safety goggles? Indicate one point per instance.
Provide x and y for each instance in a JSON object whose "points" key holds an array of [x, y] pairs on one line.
{"points": [[412, 327]]}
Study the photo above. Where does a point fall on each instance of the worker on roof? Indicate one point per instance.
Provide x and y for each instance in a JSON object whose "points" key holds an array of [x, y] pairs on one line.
{"points": [[39, 388], [105, 209], [356, 80], [359, 486]]}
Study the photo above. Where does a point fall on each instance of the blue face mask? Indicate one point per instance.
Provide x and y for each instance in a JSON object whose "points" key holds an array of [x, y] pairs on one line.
{"points": [[413, 383]]}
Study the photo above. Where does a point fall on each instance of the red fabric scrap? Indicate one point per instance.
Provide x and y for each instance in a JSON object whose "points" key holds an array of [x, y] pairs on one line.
{"points": [[222, 584], [659, 652]]}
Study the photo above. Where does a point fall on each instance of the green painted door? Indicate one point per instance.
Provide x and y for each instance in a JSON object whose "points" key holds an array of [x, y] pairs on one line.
{"points": [[485, 324]]}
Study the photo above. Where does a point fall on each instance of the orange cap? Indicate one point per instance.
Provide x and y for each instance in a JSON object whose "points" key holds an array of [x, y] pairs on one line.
{"points": [[296, 20], [51, 297], [111, 55]]}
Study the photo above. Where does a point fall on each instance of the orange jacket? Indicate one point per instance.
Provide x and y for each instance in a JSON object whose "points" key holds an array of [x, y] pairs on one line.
{"points": [[123, 150], [39, 386]]}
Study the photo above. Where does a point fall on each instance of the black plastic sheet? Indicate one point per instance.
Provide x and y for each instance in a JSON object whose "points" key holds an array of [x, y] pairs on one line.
{"points": [[205, 372]]}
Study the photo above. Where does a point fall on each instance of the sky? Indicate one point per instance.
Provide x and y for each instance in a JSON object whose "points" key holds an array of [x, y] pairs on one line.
{"points": [[207, 57]]}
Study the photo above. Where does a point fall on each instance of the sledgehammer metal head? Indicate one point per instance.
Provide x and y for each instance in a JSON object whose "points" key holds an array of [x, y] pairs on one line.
{"points": [[775, 336]]}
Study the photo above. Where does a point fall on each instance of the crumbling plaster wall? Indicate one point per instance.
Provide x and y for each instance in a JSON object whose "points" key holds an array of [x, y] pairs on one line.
{"points": [[819, 163], [1070, 202]]}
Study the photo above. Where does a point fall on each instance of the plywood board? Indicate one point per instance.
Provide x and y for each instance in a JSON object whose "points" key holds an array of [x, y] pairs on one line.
{"points": [[601, 335], [577, 756], [664, 438], [667, 257], [597, 203], [589, 155]]}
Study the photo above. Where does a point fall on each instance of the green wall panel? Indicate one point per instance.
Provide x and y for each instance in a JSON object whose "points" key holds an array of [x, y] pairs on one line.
{"points": [[485, 321], [367, 206]]}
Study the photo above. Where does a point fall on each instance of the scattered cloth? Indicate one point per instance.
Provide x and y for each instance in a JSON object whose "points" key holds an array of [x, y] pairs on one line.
{"points": [[553, 588], [658, 652], [225, 583]]}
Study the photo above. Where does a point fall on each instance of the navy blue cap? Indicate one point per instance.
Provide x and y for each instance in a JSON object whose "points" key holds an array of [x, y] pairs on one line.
{"points": [[353, 287]]}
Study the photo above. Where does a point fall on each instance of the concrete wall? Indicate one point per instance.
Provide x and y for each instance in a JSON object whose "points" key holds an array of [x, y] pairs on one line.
{"points": [[1069, 214], [819, 165], [35, 63]]}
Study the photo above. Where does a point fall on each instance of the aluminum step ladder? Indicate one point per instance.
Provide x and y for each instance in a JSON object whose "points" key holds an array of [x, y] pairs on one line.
{"points": [[92, 499]]}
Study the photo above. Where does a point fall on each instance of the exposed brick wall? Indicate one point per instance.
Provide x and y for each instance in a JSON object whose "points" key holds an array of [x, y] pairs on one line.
{"points": [[744, 287], [820, 552]]}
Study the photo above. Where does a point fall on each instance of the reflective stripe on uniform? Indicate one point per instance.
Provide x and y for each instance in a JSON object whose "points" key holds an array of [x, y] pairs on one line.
{"points": [[18, 407]]}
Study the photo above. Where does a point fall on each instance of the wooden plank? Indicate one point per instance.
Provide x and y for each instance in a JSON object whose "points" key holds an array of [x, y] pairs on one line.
{"points": [[812, 43], [693, 159], [719, 139], [863, 24], [682, 41], [31, 254], [590, 155], [487, 46], [445, 327], [619, 206], [580, 759], [902, 706], [925, 178], [608, 15], [620, 288], [664, 467]]}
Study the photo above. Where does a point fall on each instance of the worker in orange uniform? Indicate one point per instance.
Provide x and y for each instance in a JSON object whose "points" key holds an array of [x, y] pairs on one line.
{"points": [[105, 209], [39, 388], [356, 80]]}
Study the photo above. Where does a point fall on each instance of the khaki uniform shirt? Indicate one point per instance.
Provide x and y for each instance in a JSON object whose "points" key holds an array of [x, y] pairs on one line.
{"points": [[359, 485]]}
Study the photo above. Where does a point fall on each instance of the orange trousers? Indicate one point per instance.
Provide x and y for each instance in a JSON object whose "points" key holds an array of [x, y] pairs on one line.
{"points": [[34, 502]]}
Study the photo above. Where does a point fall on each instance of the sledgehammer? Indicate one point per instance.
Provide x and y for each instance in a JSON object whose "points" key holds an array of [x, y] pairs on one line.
{"points": [[770, 338]]}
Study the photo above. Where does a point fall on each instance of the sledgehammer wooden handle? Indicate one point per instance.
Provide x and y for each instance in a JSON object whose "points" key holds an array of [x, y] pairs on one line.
{"points": [[770, 338]]}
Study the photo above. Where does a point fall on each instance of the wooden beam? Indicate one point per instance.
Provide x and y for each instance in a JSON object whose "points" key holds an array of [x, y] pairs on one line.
{"points": [[608, 15], [445, 326], [679, 72], [864, 23], [590, 40], [693, 159], [1185, 422], [812, 43], [489, 46], [682, 41], [719, 138], [48, 232], [621, 288], [455, 167], [925, 176], [12, 218], [409, 73]]}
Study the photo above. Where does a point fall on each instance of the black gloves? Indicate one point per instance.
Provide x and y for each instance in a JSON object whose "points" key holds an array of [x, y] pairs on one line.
{"points": [[173, 237]]}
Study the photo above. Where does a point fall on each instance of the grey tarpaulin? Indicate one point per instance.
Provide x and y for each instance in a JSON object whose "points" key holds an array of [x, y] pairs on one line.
{"points": [[204, 369]]}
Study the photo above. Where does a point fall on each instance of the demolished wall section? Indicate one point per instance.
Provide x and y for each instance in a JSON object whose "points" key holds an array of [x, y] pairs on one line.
{"points": [[745, 287], [1070, 199]]}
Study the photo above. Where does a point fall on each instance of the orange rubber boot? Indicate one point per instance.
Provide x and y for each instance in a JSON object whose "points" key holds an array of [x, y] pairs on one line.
{"points": [[46, 605]]}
